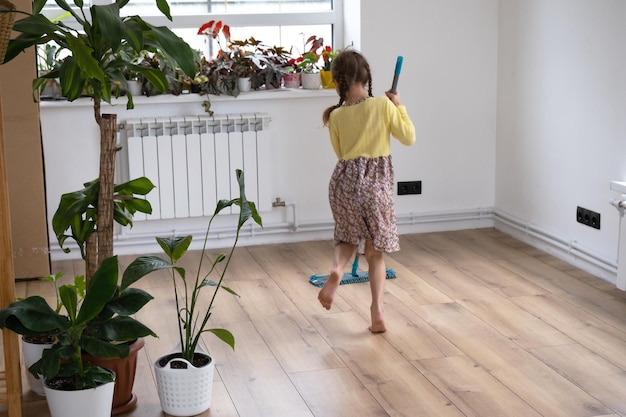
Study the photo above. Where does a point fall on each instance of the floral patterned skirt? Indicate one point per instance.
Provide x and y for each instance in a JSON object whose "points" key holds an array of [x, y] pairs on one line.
{"points": [[361, 199]]}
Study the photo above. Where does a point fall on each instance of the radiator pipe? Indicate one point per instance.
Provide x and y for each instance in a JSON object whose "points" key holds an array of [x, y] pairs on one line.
{"points": [[280, 203], [620, 205]]}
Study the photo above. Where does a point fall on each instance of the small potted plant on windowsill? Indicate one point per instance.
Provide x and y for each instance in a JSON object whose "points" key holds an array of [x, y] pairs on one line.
{"points": [[47, 62], [292, 78], [328, 54], [308, 63]]}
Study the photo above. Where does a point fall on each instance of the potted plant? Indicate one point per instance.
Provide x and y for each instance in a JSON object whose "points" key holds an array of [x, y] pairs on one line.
{"points": [[34, 345], [95, 319], [243, 67], [292, 78], [308, 63], [184, 376], [327, 57], [221, 79], [273, 62], [47, 61]]}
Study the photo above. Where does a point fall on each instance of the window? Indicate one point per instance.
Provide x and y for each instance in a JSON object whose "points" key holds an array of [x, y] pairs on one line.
{"points": [[286, 23]]}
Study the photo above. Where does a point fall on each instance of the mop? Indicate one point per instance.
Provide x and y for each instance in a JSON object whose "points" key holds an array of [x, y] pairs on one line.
{"points": [[350, 277], [355, 275]]}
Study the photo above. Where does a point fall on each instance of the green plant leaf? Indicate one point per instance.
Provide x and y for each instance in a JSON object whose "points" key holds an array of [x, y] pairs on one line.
{"points": [[225, 336], [134, 205], [140, 267], [82, 53], [51, 359], [164, 7], [65, 6], [69, 299], [95, 376], [72, 82], [38, 6], [138, 186], [156, 77], [174, 48], [130, 301], [103, 349], [31, 316], [174, 247], [124, 329], [101, 288], [107, 24]]}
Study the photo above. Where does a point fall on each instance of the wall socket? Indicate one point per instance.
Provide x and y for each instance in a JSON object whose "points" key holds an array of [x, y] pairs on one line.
{"points": [[409, 187], [588, 217]]}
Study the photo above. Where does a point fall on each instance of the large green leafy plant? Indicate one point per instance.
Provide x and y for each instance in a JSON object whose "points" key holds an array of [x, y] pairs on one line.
{"points": [[96, 320], [95, 66]]}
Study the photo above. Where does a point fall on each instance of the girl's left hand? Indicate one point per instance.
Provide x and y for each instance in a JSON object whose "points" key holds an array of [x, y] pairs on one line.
{"points": [[395, 98]]}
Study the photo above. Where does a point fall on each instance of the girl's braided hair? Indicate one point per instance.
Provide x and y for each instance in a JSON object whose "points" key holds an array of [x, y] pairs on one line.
{"points": [[347, 68]]}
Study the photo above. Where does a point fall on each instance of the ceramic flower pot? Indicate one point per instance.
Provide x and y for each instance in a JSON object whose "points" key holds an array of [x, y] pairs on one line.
{"points": [[95, 402], [32, 353], [292, 80], [311, 81], [244, 83], [327, 79], [135, 87], [184, 392]]}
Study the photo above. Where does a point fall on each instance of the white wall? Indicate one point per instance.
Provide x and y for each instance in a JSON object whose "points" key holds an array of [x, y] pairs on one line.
{"points": [[448, 84], [561, 128]]}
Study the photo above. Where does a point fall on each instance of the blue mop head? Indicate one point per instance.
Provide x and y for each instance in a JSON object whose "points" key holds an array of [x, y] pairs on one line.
{"points": [[348, 277]]}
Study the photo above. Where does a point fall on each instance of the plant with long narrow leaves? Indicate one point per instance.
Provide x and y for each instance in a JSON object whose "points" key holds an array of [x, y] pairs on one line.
{"points": [[192, 317]]}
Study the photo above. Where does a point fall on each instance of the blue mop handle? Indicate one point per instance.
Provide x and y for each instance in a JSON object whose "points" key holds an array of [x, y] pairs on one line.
{"points": [[396, 74], [355, 265]]}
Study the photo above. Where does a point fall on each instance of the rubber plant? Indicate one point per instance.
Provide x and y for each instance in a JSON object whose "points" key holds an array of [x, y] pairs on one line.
{"points": [[94, 68], [96, 319]]}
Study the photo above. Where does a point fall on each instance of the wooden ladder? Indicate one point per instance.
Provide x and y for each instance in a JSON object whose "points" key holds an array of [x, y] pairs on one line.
{"points": [[10, 377]]}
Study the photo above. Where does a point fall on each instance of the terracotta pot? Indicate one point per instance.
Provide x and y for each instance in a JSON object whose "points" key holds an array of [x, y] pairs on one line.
{"points": [[123, 397]]}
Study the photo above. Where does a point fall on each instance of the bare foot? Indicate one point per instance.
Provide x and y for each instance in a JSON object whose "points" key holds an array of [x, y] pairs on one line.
{"points": [[327, 293], [378, 321]]}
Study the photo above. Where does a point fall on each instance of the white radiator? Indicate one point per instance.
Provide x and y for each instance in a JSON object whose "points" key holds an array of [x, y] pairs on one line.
{"points": [[192, 161]]}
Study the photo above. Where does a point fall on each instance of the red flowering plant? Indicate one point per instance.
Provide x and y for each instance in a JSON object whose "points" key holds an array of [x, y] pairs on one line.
{"points": [[327, 56], [308, 61], [215, 75]]}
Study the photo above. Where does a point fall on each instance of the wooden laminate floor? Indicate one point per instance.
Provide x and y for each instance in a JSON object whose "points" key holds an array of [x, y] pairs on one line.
{"points": [[479, 324]]}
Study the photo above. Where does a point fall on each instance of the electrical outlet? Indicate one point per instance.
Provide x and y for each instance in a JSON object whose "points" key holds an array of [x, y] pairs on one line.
{"points": [[588, 217], [409, 187]]}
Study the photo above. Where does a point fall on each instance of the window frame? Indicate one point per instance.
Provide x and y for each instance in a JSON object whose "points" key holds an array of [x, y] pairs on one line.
{"points": [[333, 17]]}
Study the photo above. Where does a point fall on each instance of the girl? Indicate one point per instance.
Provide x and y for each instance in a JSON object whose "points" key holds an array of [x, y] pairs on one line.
{"points": [[361, 186]]}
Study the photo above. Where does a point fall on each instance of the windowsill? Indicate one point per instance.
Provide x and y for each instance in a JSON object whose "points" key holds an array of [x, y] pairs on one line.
{"points": [[278, 94]]}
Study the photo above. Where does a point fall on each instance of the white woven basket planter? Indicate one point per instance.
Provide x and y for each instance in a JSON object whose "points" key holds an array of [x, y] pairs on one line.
{"points": [[184, 392]]}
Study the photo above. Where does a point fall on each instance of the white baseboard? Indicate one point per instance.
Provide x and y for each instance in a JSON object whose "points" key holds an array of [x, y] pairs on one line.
{"points": [[571, 253], [144, 243], [141, 244]]}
